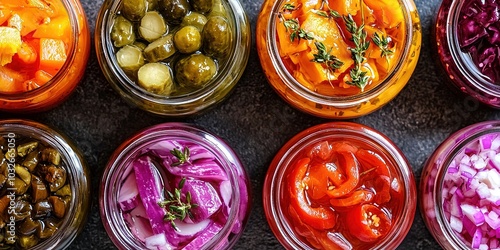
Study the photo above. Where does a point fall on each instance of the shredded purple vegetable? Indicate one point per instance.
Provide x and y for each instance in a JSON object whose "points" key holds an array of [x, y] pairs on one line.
{"points": [[154, 173], [479, 35]]}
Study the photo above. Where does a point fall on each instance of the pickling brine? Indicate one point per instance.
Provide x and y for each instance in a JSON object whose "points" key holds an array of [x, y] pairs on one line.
{"points": [[338, 59]]}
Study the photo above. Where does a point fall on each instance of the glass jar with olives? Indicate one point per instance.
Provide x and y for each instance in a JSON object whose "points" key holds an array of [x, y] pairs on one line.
{"points": [[44, 187], [173, 57]]}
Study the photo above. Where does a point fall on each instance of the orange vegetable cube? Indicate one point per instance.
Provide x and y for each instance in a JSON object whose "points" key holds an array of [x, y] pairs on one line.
{"points": [[57, 28], [10, 42], [52, 53], [389, 13], [345, 7]]}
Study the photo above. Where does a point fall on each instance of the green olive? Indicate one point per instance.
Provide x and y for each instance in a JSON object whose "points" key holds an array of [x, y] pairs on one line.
{"points": [[134, 10], [216, 36], [194, 19], [174, 10], [187, 40], [195, 70], [203, 6]]}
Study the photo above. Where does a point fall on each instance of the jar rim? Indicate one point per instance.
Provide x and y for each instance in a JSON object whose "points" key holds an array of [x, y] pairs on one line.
{"points": [[132, 147], [236, 15], [331, 131], [442, 157], [467, 68], [71, 57], [77, 171], [337, 101]]}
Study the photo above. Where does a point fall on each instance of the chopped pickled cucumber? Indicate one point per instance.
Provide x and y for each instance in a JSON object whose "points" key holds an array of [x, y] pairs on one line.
{"points": [[134, 10], [130, 58], [122, 32], [140, 45], [152, 26], [155, 78], [194, 19], [160, 49], [152, 5]]}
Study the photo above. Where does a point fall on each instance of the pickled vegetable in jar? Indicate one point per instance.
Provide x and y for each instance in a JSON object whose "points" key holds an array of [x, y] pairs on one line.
{"points": [[175, 189], [44, 47], [340, 48], [338, 59], [333, 186], [35, 192], [172, 48], [479, 36]]}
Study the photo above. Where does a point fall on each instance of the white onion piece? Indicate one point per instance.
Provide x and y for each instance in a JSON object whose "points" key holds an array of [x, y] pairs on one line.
{"points": [[190, 229], [158, 242]]}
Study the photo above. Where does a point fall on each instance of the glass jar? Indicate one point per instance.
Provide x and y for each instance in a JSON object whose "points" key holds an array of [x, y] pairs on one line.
{"points": [[462, 73], [435, 186], [334, 106], [145, 143], [215, 91], [77, 177], [64, 82], [292, 228]]}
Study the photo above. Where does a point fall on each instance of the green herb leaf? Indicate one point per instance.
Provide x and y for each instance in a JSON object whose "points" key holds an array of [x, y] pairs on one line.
{"points": [[383, 43], [320, 13], [288, 7], [325, 57], [182, 156], [176, 208], [358, 37]]}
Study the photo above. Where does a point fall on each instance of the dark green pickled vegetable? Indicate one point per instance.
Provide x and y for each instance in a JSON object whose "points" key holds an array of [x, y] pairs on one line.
{"points": [[152, 5], [194, 19], [140, 45], [202, 6], [122, 32], [174, 10], [28, 241], [187, 40], [31, 161], [160, 49], [153, 26], [51, 155], [218, 9], [134, 10], [41, 192], [195, 70], [155, 78], [130, 59], [26, 148], [38, 189], [216, 36]]}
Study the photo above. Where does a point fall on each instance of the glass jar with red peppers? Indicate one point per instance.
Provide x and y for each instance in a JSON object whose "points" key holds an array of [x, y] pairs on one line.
{"points": [[340, 185], [467, 38]]}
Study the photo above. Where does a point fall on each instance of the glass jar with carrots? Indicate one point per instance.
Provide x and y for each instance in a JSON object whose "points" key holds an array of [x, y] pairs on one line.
{"points": [[338, 59], [44, 47], [339, 186]]}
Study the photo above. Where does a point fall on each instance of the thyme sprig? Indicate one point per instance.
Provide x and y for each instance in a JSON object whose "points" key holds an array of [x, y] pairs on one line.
{"points": [[182, 156], [175, 207], [383, 43], [293, 26], [328, 13], [325, 57], [358, 37]]}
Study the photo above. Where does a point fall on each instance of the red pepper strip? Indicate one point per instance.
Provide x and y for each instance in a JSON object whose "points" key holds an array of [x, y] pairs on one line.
{"points": [[320, 176], [323, 150], [318, 239], [382, 186], [343, 147], [357, 197], [352, 171], [317, 217], [370, 159]]}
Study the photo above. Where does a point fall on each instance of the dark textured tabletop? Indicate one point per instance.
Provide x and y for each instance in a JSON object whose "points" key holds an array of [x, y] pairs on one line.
{"points": [[256, 122]]}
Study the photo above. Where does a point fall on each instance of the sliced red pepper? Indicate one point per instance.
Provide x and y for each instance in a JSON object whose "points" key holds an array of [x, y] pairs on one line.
{"points": [[370, 159], [343, 147], [350, 166], [321, 176], [368, 222], [357, 197], [382, 185], [322, 150], [316, 217]]}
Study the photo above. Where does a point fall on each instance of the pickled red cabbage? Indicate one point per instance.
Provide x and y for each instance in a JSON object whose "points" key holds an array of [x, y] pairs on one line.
{"points": [[190, 173], [479, 35]]}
